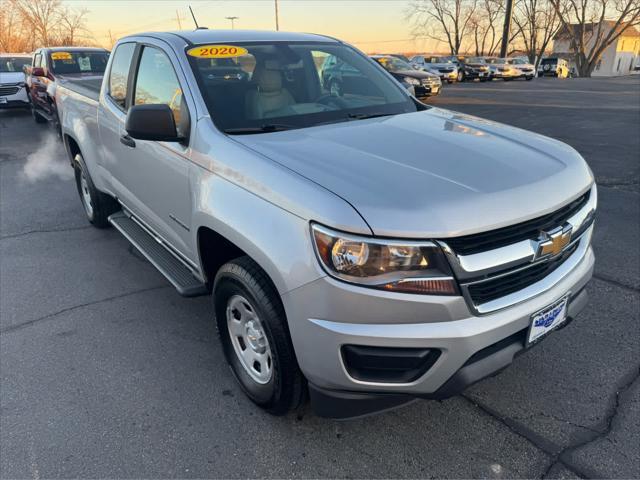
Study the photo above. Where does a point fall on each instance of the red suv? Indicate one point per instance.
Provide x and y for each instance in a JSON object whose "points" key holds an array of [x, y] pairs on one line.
{"points": [[54, 65]]}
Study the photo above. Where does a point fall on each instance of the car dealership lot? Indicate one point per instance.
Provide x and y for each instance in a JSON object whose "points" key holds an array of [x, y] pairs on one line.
{"points": [[106, 371]]}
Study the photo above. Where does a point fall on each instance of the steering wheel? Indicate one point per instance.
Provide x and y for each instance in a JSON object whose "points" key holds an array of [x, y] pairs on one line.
{"points": [[331, 100]]}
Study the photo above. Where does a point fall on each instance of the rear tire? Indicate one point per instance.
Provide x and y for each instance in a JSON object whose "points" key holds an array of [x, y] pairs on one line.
{"points": [[97, 205], [255, 336]]}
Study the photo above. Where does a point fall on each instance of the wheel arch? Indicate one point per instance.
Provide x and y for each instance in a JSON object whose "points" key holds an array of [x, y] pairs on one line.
{"points": [[71, 146]]}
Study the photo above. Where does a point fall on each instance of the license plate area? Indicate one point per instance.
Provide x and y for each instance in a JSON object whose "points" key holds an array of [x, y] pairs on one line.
{"points": [[548, 319]]}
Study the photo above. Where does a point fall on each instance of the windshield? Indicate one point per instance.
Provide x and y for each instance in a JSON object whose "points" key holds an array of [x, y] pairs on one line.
{"points": [[268, 86], [393, 64], [79, 62], [13, 64], [475, 60], [494, 61], [549, 61], [517, 61]]}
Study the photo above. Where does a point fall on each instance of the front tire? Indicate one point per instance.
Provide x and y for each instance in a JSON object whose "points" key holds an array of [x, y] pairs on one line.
{"points": [[255, 336], [97, 205]]}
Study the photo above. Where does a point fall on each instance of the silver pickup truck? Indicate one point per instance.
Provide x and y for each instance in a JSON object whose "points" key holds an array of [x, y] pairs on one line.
{"points": [[358, 245]]}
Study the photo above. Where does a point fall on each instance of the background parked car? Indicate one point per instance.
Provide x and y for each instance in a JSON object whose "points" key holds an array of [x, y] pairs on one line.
{"points": [[12, 87], [400, 56], [554, 66], [61, 64], [471, 68], [528, 70], [422, 84], [340, 78], [441, 66], [500, 68]]}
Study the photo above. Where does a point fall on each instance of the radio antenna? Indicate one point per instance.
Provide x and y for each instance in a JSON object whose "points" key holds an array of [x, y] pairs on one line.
{"points": [[194, 17]]}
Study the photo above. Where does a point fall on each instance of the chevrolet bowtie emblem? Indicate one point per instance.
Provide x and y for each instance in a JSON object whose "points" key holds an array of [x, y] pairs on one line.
{"points": [[553, 242]]}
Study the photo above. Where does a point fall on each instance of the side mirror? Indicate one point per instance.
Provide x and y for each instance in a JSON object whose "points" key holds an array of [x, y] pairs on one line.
{"points": [[152, 122], [38, 72]]}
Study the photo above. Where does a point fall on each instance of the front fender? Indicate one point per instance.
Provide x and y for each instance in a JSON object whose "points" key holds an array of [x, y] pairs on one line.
{"points": [[279, 241]]}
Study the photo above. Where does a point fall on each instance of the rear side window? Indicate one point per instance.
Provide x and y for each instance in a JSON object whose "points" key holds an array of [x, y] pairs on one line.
{"points": [[157, 83], [120, 73], [37, 62]]}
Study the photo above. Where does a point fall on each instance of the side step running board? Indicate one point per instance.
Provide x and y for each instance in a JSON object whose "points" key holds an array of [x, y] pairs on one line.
{"points": [[176, 272]]}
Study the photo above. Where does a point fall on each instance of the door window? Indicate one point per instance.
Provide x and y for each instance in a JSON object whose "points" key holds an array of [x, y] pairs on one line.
{"points": [[120, 72], [157, 83]]}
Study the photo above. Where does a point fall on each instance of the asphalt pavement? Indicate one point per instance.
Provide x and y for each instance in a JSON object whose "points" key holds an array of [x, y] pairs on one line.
{"points": [[105, 371]]}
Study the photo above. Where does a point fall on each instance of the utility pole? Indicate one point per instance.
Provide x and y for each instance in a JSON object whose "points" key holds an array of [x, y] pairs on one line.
{"points": [[506, 31], [277, 22], [232, 20], [178, 18]]}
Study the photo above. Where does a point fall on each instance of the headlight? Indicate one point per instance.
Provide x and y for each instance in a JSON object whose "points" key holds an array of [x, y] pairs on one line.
{"points": [[411, 81], [398, 266]]}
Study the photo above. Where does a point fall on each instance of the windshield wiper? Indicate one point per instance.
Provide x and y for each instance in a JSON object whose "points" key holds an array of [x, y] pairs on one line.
{"points": [[364, 116], [267, 127]]}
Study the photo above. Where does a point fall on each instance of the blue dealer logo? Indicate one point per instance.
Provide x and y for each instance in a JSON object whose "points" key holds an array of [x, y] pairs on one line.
{"points": [[548, 318]]}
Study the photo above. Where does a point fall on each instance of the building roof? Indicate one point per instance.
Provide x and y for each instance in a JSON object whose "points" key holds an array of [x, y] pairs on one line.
{"points": [[563, 33]]}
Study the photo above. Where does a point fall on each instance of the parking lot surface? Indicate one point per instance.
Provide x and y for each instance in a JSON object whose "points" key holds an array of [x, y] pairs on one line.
{"points": [[107, 372]]}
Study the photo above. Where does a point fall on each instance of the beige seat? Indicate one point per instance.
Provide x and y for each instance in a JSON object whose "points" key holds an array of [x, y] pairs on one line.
{"points": [[269, 97]]}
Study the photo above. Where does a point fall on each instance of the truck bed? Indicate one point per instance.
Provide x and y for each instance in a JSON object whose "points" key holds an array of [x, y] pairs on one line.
{"points": [[86, 86]]}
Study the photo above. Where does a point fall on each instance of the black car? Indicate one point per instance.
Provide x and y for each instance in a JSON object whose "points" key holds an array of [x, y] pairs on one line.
{"points": [[470, 68], [420, 83]]}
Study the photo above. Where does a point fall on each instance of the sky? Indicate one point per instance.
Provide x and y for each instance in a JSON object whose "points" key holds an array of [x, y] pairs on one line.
{"points": [[371, 25]]}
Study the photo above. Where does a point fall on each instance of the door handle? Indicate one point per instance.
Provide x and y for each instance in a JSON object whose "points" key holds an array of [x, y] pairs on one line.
{"points": [[128, 141]]}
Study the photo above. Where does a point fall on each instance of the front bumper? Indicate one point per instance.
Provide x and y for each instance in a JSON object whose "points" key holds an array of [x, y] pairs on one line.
{"points": [[12, 95], [327, 314], [473, 74], [450, 76], [505, 74], [427, 90]]}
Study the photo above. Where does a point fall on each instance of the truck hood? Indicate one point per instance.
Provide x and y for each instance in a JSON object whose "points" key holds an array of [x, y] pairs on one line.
{"points": [[432, 174], [11, 77]]}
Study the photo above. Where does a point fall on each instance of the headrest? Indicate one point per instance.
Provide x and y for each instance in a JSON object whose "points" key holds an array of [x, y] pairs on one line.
{"points": [[270, 81]]}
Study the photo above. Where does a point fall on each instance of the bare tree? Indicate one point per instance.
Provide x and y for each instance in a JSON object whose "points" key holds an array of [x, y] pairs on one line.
{"points": [[41, 17], [28, 24], [486, 26], [447, 21], [14, 36], [592, 25], [536, 23], [72, 25]]}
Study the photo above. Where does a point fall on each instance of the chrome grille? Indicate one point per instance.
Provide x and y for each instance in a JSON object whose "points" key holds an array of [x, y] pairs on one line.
{"points": [[11, 90], [502, 267], [491, 289], [530, 229]]}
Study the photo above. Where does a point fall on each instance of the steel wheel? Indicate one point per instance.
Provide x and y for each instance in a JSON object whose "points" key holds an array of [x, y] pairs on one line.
{"points": [[249, 339], [86, 196]]}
